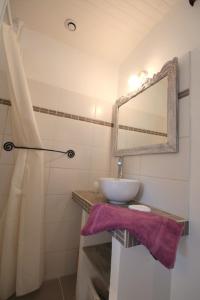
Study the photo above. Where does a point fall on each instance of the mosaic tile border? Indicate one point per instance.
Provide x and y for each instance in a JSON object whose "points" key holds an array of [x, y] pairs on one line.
{"points": [[129, 128], [84, 204], [61, 114], [5, 102], [70, 116], [183, 94], [123, 236]]}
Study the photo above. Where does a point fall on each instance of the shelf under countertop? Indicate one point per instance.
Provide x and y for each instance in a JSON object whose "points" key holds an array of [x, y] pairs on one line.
{"points": [[86, 199], [100, 257]]}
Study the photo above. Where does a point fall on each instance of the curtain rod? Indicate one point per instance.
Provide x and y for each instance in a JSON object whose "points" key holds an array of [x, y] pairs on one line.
{"points": [[8, 146]]}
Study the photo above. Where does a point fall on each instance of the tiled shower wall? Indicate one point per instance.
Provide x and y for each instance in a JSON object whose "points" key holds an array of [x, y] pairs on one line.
{"points": [[91, 143], [66, 80]]}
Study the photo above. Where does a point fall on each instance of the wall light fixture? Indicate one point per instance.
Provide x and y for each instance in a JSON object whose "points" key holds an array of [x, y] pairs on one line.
{"points": [[135, 81]]}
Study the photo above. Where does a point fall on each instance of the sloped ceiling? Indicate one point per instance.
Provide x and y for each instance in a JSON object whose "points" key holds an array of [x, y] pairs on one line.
{"points": [[105, 28]]}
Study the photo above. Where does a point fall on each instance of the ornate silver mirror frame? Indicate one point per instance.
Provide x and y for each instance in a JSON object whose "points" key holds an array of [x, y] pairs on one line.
{"points": [[169, 70]]}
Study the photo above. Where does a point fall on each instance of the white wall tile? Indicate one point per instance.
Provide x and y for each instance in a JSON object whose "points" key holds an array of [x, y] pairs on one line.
{"points": [[81, 160], [103, 111], [184, 72], [44, 95], [75, 103], [74, 132], [172, 165], [50, 61], [101, 136], [132, 164], [184, 117], [59, 208], [61, 263], [100, 159], [47, 125], [62, 235], [64, 181], [166, 194]]}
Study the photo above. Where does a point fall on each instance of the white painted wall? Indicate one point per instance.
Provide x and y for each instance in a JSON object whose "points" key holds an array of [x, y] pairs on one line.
{"points": [[57, 64], [185, 278], [175, 35], [170, 180]]}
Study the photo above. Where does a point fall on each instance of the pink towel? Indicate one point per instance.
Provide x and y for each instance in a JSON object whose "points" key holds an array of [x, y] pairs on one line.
{"points": [[159, 234]]}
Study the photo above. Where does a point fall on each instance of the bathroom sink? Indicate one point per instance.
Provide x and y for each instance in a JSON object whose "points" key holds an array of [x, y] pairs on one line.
{"points": [[118, 190]]}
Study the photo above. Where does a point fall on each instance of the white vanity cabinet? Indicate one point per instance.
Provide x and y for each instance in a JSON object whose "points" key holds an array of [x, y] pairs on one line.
{"points": [[89, 277], [129, 272]]}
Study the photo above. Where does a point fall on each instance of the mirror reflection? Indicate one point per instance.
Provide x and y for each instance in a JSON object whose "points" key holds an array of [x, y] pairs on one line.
{"points": [[143, 119]]}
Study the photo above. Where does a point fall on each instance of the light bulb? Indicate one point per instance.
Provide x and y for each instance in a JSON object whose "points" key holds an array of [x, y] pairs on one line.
{"points": [[135, 81]]}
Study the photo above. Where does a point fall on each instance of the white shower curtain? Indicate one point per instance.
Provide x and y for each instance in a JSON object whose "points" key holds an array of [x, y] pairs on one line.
{"points": [[21, 244]]}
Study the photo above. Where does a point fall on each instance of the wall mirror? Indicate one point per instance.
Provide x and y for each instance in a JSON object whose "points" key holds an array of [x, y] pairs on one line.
{"points": [[145, 122]]}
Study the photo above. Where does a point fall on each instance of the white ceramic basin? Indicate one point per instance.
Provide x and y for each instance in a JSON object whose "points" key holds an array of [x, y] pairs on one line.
{"points": [[119, 190]]}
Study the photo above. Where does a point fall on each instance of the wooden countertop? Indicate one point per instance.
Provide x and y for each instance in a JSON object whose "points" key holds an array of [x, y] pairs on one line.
{"points": [[86, 199]]}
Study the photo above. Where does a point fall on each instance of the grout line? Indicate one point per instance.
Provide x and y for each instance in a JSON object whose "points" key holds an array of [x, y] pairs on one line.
{"points": [[61, 289], [157, 177]]}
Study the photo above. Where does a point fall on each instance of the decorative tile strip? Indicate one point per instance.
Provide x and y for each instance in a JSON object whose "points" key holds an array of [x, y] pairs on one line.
{"points": [[86, 206], [87, 199], [71, 116], [142, 130], [5, 102], [183, 94], [61, 114]]}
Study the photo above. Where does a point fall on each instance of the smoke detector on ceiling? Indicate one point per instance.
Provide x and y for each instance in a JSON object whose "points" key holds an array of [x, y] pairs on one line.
{"points": [[70, 24], [192, 2]]}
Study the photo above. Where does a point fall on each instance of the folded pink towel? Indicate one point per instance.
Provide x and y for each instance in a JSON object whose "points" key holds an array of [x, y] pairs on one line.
{"points": [[159, 234]]}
